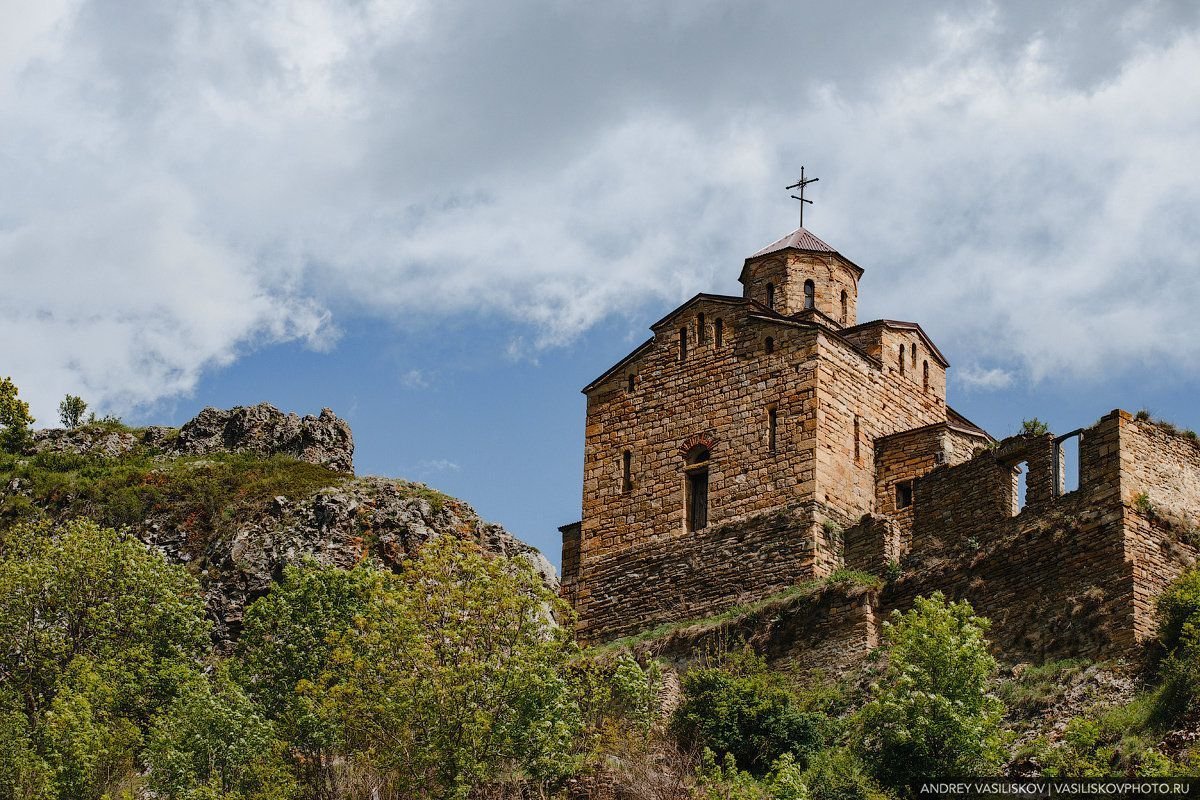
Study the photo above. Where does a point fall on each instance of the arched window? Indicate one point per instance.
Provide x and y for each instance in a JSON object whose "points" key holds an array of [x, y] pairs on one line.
{"points": [[845, 306], [719, 331], [770, 343], [629, 387], [771, 296], [701, 330], [901, 359], [696, 469], [914, 355], [810, 295], [925, 374], [683, 343]]}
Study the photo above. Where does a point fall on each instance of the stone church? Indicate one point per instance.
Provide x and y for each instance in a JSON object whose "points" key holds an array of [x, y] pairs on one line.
{"points": [[758, 442], [725, 455]]}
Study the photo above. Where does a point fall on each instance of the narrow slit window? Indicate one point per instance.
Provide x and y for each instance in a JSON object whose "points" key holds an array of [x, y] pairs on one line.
{"points": [[810, 295], [771, 296], [719, 331], [630, 385], [904, 494], [627, 472], [772, 428], [683, 344], [770, 345], [914, 355], [901, 359], [925, 375], [857, 439], [696, 471], [701, 330], [845, 306]]}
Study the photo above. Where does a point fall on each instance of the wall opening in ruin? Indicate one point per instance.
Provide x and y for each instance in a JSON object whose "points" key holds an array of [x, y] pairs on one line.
{"points": [[904, 494], [683, 343], [627, 472], [810, 295], [1020, 485], [772, 427], [1066, 462], [719, 331], [701, 330], [771, 296], [770, 345]]}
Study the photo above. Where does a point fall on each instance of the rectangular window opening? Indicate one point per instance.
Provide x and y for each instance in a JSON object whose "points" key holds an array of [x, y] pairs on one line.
{"points": [[857, 439], [683, 344], [1066, 464], [904, 494], [627, 472], [772, 427], [701, 330], [719, 331]]}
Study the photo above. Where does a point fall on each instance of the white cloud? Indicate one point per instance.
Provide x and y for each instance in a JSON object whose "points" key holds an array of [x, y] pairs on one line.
{"points": [[185, 182], [439, 465], [974, 377]]}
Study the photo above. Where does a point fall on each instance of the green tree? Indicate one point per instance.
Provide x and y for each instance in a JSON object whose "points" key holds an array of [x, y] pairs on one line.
{"points": [[15, 418], [71, 411], [96, 633], [932, 714], [212, 742], [741, 709], [457, 676], [285, 647]]}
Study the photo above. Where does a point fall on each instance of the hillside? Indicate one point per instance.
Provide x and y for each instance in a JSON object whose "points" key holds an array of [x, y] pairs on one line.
{"points": [[237, 495]]}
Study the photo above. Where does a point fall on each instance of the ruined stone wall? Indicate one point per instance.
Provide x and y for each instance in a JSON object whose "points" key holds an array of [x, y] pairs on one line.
{"points": [[1165, 465], [1162, 541], [1052, 578]]}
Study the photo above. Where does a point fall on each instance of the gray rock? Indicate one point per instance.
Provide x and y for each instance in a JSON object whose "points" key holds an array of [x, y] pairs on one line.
{"points": [[265, 430]]}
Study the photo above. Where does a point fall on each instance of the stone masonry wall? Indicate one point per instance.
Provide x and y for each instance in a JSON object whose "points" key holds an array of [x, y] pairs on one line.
{"points": [[1165, 466], [789, 270], [857, 395], [688, 578]]}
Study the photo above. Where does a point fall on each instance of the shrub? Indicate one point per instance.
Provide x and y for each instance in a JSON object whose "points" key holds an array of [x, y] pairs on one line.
{"points": [[932, 715], [1034, 427], [724, 781], [739, 709], [836, 774], [1179, 632], [1142, 503]]}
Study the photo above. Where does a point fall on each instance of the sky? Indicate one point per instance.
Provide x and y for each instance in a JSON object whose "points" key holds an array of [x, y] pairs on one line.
{"points": [[442, 219]]}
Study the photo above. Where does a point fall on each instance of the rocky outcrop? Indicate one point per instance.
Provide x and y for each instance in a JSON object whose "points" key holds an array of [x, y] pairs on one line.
{"points": [[265, 430], [365, 520]]}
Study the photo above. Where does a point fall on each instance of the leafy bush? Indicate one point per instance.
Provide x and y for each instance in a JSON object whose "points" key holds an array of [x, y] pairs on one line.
{"points": [[740, 709], [1179, 632], [724, 781], [1034, 427], [931, 714], [837, 774], [1118, 740]]}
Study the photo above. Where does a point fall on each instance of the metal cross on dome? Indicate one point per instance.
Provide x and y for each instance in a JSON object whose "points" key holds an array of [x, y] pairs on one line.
{"points": [[800, 184]]}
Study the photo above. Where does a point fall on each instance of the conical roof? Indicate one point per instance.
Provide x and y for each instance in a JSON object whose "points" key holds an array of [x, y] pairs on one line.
{"points": [[799, 239]]}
